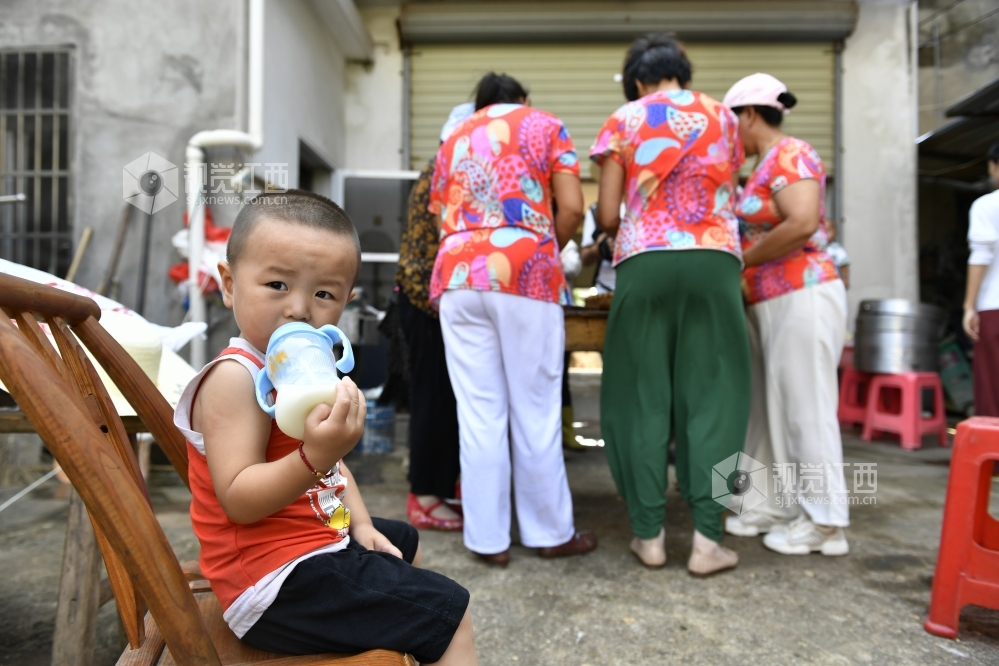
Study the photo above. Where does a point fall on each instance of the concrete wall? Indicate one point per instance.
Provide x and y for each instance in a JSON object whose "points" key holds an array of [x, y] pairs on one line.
{"points": [[879, 153], [374, 98], [148, 75], [969, 55], [304, 88]]}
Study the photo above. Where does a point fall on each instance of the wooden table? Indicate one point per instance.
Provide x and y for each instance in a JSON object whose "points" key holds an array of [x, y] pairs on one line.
{"points": [[585, 329], [14, 421]]}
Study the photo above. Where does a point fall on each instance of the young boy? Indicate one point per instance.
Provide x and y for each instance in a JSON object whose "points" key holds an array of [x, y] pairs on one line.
{"points": [[292, 579]]}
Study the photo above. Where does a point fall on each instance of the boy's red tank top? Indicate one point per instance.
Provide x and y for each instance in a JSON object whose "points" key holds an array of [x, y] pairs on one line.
{"points": [[235, 557]]}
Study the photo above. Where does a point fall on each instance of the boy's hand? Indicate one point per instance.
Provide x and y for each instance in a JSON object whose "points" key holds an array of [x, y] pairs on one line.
{"points": [[331, 431], [366, 535]]}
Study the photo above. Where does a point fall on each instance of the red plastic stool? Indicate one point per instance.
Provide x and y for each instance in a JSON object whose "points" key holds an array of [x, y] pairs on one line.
{"points": [[908, 421], [968, 561], [853, 389]]}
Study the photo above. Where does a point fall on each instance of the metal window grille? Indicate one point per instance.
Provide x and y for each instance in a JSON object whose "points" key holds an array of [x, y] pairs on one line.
{"points": [[35, 158]]}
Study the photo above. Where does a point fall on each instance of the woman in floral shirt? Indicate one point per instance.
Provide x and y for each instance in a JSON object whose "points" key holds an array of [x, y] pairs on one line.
{"points": [[797, 321], [676, 360], [499, 284]]}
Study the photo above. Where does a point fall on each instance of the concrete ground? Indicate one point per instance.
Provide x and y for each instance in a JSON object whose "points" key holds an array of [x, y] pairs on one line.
{"points": [[604, 608]]}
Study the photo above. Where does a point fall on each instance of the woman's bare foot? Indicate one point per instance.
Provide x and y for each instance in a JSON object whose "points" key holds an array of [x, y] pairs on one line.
{"points": [[708, 557], [652, 552]]}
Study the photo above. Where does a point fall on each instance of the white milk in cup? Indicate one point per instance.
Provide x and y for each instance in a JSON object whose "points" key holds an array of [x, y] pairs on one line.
{"points": [[300, 365]]}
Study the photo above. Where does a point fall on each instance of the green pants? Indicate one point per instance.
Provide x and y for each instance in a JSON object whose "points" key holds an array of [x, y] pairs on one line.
{"points": [[676, 362]]}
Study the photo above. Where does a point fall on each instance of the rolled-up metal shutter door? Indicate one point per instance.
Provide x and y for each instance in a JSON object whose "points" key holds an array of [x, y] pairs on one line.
{"points": [[575, 81]]}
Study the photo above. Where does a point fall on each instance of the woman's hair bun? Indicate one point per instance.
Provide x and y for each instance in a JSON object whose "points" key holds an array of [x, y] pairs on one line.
{"points": [[787, 99]]}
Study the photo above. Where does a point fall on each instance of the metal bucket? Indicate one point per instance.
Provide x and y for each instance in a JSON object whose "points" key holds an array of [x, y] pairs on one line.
{"points": [[895, 335]]}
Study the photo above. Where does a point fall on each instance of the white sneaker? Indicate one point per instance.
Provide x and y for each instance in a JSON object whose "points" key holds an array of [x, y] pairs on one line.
{"points": [[753, 523], [803, 537]]}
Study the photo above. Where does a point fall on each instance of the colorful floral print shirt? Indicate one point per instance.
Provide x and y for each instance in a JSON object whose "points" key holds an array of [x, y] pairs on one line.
{"points": [[789, 161], [679, 149], [492, 189]]}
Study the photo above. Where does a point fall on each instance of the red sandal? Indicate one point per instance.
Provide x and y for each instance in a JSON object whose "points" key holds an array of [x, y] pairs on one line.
{"points": [[419, 516]]}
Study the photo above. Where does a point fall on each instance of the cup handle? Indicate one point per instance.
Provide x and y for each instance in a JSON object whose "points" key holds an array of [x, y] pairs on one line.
{"points": [[264, 386], [346, 362]]}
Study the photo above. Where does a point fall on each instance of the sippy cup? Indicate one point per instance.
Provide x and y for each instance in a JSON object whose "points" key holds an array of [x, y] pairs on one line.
{"points": [[300, 365]]}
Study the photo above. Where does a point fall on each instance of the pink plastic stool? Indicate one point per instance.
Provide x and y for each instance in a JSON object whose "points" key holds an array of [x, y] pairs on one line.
{"points": [[853, 390], [908, 422]]}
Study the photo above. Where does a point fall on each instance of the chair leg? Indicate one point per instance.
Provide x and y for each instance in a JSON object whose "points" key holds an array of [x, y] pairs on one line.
{"points": [[873, 398], [79, 591], [911, 435], [941, 414]]}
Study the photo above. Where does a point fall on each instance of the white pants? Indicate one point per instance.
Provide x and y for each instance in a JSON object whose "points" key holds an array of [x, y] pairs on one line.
{"points": [[504, 356], [795, 342]]}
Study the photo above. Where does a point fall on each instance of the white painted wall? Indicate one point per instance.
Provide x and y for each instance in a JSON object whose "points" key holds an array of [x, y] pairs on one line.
{"points": [[969, 57], [879, 153], [305, 80], [374, 98], [147, 76]]}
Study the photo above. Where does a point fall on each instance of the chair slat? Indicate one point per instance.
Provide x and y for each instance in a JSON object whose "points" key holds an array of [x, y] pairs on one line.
{"points": [[142, 394], [28, 325], [131, 607], [151, 649], [76, 367], [115, 503], [89, 385]]}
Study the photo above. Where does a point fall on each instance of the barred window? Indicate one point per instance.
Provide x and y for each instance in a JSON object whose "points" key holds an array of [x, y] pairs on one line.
{"points": [[35, 91]]}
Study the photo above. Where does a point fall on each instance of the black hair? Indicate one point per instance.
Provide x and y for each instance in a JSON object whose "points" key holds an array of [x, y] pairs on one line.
{"points": [[496, 88], [651, 59], [772, 115], [294, 206], [993, 154]]}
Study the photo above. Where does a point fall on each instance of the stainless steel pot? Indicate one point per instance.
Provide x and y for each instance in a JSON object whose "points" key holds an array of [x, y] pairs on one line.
{"points": [[895, 335]]}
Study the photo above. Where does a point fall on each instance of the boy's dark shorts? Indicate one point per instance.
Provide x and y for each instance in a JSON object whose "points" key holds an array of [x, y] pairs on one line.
{"points": [[359, 599]]}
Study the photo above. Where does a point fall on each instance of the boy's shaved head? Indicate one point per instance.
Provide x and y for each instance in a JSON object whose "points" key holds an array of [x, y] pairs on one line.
{"points": [[294, 206]]}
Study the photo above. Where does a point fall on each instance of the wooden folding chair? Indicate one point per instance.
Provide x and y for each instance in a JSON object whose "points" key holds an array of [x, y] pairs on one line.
{"points": [[63, 397]]}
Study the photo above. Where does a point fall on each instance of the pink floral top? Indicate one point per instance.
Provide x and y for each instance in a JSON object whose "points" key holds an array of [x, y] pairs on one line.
{"points": [[679, 149], [789, 161], [492, 189]]}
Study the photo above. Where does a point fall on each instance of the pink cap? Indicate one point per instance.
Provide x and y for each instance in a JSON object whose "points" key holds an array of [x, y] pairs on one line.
{"points": [[756, 90]]}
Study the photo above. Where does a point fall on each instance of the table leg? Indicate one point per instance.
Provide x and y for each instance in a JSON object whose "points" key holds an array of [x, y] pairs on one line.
{"points": [[79, 591]]}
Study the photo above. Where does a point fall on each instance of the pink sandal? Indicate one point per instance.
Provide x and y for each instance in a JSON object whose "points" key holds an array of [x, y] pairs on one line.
{"points": [[420, 518]]}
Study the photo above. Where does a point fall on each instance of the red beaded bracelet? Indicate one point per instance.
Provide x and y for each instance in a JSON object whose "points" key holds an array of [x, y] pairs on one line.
{"points": [[301, 452]]}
